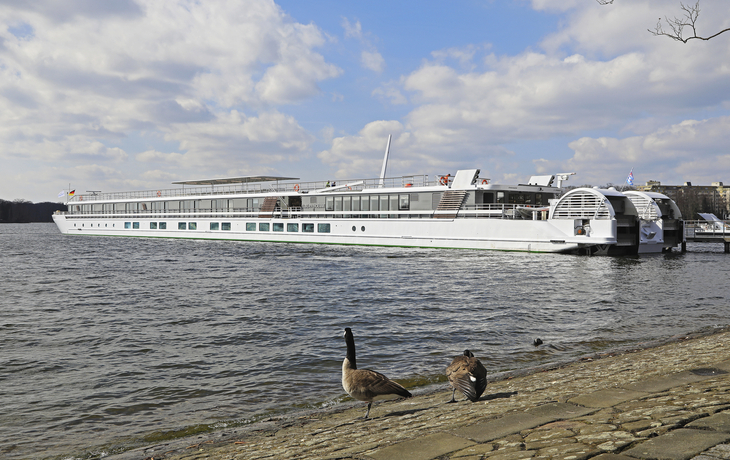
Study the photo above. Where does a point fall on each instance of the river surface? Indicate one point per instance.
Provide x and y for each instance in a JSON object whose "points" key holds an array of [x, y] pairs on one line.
{"points": [[111, 343]]}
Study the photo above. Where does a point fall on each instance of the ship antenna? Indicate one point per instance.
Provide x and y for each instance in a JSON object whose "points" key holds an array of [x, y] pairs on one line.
{"points": [[385, 163]]}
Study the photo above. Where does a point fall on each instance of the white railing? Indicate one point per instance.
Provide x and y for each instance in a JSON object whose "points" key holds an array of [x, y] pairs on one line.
{"points": [[258, 187]]}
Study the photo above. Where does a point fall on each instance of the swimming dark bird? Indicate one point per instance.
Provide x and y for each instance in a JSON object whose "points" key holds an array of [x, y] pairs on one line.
{"points": [[537, 342], [364, 384], [467, 374]]}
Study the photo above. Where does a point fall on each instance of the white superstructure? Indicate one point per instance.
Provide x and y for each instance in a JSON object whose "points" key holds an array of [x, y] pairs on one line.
{"points": [[460, 211], [660, 221]]}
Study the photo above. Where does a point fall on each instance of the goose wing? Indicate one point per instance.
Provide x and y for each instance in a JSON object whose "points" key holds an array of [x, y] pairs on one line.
{"points": [[468, 375], [368, 385]]}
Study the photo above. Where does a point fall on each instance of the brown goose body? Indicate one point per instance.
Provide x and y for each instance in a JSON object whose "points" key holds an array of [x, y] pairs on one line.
{"points": [[364, 384], [467, 374]]}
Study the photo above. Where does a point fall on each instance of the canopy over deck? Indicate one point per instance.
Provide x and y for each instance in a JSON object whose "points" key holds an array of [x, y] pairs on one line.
{"points": [[235, 180]]}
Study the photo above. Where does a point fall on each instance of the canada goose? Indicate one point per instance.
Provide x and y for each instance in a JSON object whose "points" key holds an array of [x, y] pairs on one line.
{"points": [[364, 384], [467, 374]]}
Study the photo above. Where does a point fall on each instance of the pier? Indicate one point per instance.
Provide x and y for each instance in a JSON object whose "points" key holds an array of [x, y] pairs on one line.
{"points": [[702, 231]]}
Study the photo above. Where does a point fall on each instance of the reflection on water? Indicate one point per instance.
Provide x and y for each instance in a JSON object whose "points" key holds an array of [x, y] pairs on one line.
{"points": [[123, 341]]}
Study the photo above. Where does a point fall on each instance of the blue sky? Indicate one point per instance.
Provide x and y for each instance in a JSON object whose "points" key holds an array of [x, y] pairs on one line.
{"points": [[136, 94]]}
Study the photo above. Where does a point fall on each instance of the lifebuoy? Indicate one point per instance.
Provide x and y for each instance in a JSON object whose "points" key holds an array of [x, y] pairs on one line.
{"points": [[485, 181], [81, 198], [159, 193], [444, 180], [296, 187]]}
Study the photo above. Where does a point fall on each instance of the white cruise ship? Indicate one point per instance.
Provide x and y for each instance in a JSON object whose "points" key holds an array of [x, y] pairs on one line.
{"points": [[459, 211]]}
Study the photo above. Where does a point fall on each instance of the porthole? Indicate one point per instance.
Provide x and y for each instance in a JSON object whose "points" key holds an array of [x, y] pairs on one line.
{"points": [[362, 228], [354, 228]]}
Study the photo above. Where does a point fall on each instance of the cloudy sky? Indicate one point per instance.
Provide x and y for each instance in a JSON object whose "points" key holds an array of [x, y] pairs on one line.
{"points": [[135, 94]]}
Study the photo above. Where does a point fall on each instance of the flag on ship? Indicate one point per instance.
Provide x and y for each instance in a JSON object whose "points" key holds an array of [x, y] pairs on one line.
{"points": [[62, 193], [630, 179], [71, 193]]}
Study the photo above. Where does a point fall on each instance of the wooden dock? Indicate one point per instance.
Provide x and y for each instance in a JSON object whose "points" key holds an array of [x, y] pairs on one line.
{"points": [[702, 231]]}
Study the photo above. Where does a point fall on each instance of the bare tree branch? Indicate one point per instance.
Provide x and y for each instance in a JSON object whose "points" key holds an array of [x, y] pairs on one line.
{"points": [[691, 13]]}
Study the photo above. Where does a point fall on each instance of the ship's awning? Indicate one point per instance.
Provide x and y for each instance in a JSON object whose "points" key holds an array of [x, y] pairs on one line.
{"points": [[235, 180]]}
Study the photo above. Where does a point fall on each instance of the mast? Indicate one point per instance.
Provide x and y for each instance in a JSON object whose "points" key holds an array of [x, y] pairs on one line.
{"points": [[385, 163]]}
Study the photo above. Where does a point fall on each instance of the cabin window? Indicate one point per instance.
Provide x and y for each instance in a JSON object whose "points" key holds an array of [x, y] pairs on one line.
{"points": [[329, 204], [120, 206], [214, 226], [338, 203], [263, 227], [192, 225], [108, 207], [393, 200], [365, 203], [323, 228], [250, 226], [520, 198], [404, 202], [127, 225], [292, 227], [96, 207], [308, 228], [181, 226], [383, 202], [488, 198], [153, 225], [144, 207], [221, 205], [172, 205], [278, 227], [163, 226], [158, 205], [238, 203], [500, 197], [203, 204], [346, 203], [355, 203], [187, 205], [226, 226], [135, 224]]}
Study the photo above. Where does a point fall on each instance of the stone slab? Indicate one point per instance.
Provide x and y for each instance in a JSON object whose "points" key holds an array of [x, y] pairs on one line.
{"points": [[559, 411], [665, 382], [501, 427], [516, 422], [607, 398], [716, 422], [423, 448], [681, 444], [612, 457]]}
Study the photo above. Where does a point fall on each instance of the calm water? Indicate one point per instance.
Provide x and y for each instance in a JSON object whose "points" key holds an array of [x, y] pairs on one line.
{"points": [[106, 343]]}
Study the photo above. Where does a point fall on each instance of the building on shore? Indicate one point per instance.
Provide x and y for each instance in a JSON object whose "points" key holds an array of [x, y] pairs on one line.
{"points": [[691, 199]]}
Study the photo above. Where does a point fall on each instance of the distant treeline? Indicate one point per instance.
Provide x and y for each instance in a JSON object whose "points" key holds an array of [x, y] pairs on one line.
{"points": [[21, 211]]}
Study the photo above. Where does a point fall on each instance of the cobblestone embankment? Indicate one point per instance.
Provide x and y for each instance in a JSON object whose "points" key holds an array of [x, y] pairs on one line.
{"points": [[667, 402]]}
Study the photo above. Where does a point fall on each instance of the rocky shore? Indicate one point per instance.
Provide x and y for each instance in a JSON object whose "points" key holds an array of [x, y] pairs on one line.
{"points": [[670, 401]]}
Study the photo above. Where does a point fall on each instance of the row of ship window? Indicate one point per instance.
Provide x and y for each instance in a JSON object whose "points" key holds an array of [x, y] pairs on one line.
{"points": [[226, 226]]}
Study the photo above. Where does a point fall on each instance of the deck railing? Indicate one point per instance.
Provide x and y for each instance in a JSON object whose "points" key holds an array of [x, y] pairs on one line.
{"points": [[261, 187]]}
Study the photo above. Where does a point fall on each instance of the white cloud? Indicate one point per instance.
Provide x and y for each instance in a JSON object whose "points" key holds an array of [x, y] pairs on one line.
{"points": [[372, 60], [691, 150], [84, 82]]}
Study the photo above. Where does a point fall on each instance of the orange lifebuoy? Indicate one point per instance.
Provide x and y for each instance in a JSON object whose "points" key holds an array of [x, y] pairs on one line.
{"points": [[159, 193], [296, 187], [81, 198], [444, 180], [485, 181]]}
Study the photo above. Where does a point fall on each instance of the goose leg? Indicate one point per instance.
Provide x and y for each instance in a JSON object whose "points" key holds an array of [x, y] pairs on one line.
{"points": [[368, 412], [452, 397]]}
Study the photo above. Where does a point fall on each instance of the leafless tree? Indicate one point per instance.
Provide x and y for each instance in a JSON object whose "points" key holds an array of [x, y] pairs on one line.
{"points": [[677, 25]]}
